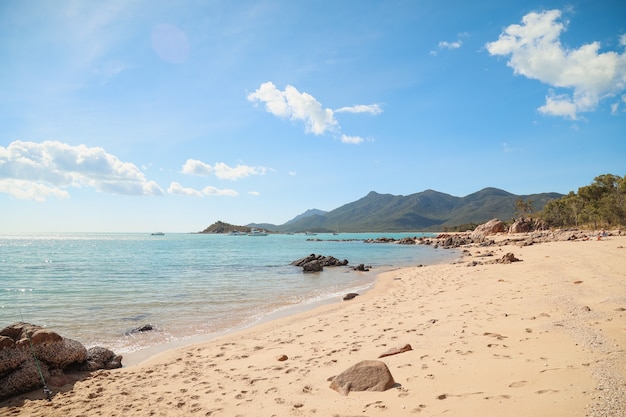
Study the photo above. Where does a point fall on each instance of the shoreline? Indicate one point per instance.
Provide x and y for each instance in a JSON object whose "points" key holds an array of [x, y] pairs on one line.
{"points": [[544, 336], [137, 357]]}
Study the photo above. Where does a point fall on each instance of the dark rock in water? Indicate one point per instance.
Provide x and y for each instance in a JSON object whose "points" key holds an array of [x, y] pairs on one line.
{"points": [[313, 266], [144, 328], [316, 263], [55, 355], [361, 267], [350, 296]]}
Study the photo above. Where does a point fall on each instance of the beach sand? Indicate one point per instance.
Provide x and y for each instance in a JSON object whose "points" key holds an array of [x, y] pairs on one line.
{"points": [[542, 337]]}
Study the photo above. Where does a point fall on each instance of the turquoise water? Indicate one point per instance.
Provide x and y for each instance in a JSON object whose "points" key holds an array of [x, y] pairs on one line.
{"points": [[96, 287]]}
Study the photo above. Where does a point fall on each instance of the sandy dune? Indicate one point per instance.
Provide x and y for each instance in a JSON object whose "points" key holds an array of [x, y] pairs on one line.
{"points": [[542, 337]]}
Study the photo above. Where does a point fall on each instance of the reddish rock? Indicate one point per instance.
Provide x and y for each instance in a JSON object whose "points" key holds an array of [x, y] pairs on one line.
{"points": [[6, 341], [490, 228], [44, 336], [396, 350], [507, 259]]}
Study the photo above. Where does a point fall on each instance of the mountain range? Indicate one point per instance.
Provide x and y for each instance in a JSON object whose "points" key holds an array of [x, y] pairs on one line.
{"points": [[424, 211]]}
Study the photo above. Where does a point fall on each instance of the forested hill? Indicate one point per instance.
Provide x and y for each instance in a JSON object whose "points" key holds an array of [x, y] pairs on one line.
{"points": [[423, 211]]}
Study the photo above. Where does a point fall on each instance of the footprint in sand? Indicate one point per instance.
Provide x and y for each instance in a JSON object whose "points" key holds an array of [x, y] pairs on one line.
{"points": [[496, 335], [517, 384], [498, 397], [547, 391]]}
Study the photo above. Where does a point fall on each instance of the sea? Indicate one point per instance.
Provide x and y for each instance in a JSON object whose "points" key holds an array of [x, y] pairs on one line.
{"points": [[98, 288]]}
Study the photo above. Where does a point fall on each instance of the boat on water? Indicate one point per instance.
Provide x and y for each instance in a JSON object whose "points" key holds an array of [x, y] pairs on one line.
{"points": [[237, 233], [255, 232], [158, 234]]}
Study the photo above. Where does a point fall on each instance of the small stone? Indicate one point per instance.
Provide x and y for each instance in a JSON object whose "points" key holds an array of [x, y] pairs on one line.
{"points": [[396, 351], [282, 358]]}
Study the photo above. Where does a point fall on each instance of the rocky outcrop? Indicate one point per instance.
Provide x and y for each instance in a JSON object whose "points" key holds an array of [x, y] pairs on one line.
{"points": [[492, 227], [29, 352], [366, 375], [316, 263], [507, 259], [100, 358], [526, 225]]}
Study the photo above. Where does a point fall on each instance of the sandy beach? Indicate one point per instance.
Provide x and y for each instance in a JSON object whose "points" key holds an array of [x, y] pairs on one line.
{"points": [[545, 336]]}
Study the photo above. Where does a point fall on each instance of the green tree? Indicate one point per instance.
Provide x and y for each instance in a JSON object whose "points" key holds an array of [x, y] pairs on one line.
{"points": [[602, 203], [524, 208]]}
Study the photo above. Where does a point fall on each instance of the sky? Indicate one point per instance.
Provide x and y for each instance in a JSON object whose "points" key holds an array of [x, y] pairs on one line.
{"points": [[144, 116]]}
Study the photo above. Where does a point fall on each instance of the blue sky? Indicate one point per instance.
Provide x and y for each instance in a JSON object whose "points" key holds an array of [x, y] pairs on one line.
{"points": [[170, 115]]}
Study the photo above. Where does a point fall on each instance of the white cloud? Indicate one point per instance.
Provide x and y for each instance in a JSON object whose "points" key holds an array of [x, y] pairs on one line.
{"points": [[224, 172], [178, 189], [254, 193], [221, 170], [450, 45], [536, 52], [353, 140], [45, 169], [209, 190], [559, 105], [195, 167], [361, 108], [616, 106], [295, 105], [28, 190]]}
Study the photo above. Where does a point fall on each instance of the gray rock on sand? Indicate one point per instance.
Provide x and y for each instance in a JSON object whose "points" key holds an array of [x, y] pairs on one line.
{"points": [[366, 375]]}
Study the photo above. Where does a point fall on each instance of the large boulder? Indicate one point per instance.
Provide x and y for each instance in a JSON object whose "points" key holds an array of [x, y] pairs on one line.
{"points": [[29, 352], [526, 225], [366, 375], [492, 227]]}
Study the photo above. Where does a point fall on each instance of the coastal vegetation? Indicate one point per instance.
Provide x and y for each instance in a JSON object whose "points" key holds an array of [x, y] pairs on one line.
{"points": [[600, 204]]}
